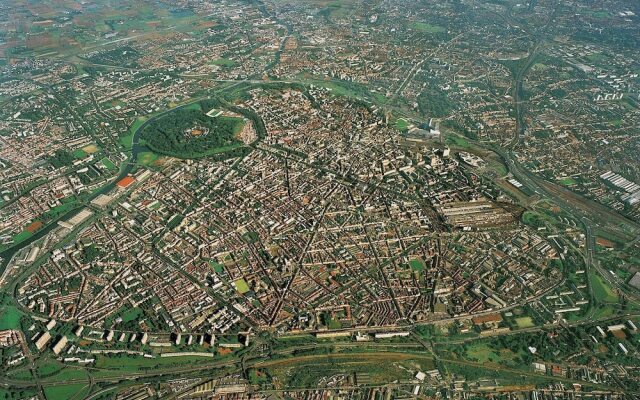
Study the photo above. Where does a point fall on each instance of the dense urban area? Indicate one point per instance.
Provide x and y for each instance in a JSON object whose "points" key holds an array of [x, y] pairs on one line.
{"points": [[316, 199]]}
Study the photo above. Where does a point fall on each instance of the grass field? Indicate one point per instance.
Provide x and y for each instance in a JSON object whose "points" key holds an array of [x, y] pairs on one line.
{"points": [[79, 153], [524, 322], [49, 368], [603, 312], [219, 268], [68, 204], [349, 89], [137, 124], [24, 235], [68, 374], [598, 13], [127, 140], [66, 392], [147, 158], [134, 363], [241, 286], [20, 375], [9, 318], [224, 62], [427, 28], [458, 141], [108, 164], [416, 265], [193, 106], [483, 353], [568, 181], [597, 57], [538, 67], [127, 315], [601, 290], [402, 124]]}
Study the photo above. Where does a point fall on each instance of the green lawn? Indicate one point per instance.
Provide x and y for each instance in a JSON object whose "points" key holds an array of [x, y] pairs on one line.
{"points": [[538, 67], [568, 181], [68, 374], [416, 265], [481, 352], [137, 363], [241, 286], [127, 314], [66, 392], [603, 312], [524, 322], [79, 153], [49, 368], [427, 28], [334, 324], [9, 318], [342, 88], [598, 13], [597, 57], [108, 164], [68, 204], [193, 106], [402, 124], [24, 235], [601, 290], [147, 158], [137, 124], [458, 142], [20, 375], [127, 140], [219, 268]]}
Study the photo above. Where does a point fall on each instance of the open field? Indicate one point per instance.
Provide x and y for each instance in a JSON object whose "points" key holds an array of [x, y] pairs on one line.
{"points": [[9, 317], [147, 158], [90, 149], [241, 286], [427, 28], [402, 124], [108, 164], [66, 392], [601, 290], [525, 322]]}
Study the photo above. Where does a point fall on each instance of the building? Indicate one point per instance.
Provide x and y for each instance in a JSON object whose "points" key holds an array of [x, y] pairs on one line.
{"points": [[60, 345], [125, 182], [43, 340]]}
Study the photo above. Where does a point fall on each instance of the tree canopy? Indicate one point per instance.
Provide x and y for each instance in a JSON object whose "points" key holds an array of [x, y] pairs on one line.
{"points": [[190, 133]]}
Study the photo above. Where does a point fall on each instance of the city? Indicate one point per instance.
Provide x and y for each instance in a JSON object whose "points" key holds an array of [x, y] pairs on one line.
{"points": [[308, 199]]}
